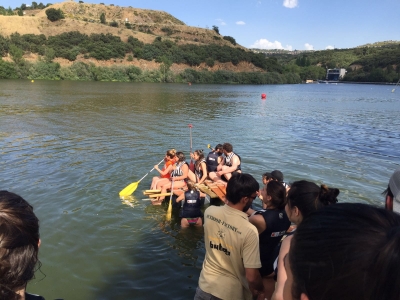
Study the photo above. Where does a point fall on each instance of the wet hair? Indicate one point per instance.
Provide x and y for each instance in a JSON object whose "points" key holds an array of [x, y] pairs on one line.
{"points": [[181, 157], [277, 192], [19, 239], [241, 185], [191, 185], [309, 197], [201, 156], [227, 147], [171, 153], [347, 251]]}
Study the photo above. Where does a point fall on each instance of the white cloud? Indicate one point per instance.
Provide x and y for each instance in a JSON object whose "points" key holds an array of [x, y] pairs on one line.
{"points": [[265, 44], [329, 47], [290, 3], [240, 23], [308, 46], [221, 22]]}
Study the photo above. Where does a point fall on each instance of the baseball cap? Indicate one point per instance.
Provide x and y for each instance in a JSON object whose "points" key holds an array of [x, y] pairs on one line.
{"points": [[394, 184], [277, 175]]}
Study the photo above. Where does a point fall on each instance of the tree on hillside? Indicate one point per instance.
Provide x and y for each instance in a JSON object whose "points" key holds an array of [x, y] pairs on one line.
{"points": [[16, 53], [54, 14], [103, 18], [216, 29], [230, 39]]}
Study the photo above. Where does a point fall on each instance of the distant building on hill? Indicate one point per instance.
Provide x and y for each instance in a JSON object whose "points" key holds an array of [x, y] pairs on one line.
{"points": [[335, 74]]}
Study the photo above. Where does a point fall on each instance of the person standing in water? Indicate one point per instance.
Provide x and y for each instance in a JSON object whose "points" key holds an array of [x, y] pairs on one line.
{"points": [[191, 206], [230, 267]]}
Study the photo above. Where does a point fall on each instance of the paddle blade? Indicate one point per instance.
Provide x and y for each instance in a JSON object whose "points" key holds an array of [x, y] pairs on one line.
{"points": [[169, 210], [129, 189]]}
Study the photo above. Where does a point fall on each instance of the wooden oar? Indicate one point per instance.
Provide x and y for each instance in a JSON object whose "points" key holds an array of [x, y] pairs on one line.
{"points": [[191, 165], [169, 210], [133, 186]]}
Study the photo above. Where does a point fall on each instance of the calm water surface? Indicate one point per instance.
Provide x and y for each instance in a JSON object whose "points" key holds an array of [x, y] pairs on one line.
{"points": [[70, 147]]}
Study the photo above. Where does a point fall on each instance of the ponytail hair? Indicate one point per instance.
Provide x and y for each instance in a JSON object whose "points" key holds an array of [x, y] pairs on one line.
{"points": [[171, 153], [356, 254], [309, 197], [277, 192], [19, 244], [181, 157]]}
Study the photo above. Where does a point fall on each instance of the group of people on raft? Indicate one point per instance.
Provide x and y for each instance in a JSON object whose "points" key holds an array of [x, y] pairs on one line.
{"points": [[176, 175], [284, 208]]}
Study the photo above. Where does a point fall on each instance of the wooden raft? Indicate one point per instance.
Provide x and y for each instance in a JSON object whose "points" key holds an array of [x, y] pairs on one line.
{"points": [[218, 189]]}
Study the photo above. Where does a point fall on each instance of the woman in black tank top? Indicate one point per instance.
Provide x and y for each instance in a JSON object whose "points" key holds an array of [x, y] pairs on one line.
{"points": [[271, 224]]}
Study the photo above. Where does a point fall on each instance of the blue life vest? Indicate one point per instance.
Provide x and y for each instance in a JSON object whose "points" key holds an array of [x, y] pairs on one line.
{"points": [[191, 205], [212, 162]]}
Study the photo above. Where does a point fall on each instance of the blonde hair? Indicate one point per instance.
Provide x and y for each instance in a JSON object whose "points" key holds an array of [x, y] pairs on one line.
{"points": [[171, 153]]}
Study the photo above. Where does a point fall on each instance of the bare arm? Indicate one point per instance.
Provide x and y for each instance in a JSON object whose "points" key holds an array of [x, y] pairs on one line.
{"points": [[180, 197], [221, 163], [259, 222], [204, 169], [255, 283], [233, 168], [280, 283], [164, 172]]}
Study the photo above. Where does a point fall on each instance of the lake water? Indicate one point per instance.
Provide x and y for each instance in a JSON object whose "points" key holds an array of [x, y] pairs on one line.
{"points": [[70, 147]]}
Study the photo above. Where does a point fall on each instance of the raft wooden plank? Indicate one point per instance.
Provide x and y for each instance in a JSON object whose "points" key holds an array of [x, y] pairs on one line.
{"points": [[214, 187], [159, 195], [205, 189], [151, 192], [222, 188]]}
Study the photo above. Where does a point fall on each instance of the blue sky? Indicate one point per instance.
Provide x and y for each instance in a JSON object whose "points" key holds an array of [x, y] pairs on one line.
{"points": [[282, 24]]}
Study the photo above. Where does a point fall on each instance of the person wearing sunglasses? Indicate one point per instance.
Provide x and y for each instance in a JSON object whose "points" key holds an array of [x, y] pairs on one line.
{"points": [[230, 267]]}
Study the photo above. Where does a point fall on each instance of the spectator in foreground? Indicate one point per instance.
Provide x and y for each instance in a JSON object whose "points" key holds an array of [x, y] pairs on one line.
{"points": [[392, 193], [230, 267], [345, 251], [19, 247], [304, 198]]}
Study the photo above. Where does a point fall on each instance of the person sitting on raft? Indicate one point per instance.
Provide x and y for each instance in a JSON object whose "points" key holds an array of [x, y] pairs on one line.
{"points": [[200, 167], [191, 206], [229, 165], [170, 158], [19, 247], [178, 176], [271, 223], [345, 251], [214, 158], [304, 198]]}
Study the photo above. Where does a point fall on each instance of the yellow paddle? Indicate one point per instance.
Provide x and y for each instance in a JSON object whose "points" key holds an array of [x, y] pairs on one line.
{"points": [[169, 210], [133, 186]]}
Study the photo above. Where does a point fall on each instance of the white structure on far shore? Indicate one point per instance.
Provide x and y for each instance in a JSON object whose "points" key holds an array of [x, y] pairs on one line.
{"points": [[335, 74]]}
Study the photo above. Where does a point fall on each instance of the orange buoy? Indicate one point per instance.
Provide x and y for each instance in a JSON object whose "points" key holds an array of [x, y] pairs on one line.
{"points": [[263, 96]]}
